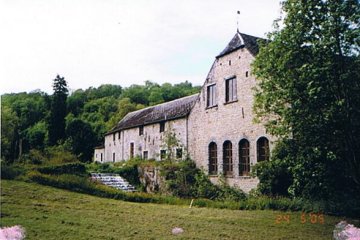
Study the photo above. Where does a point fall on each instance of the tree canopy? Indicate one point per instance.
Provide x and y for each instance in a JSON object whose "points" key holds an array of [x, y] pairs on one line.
{"points": [[36, 120], [308, 90]]}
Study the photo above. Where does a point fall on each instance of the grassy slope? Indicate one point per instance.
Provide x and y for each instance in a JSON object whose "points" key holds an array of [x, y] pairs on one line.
{"points": [[49, 213]]}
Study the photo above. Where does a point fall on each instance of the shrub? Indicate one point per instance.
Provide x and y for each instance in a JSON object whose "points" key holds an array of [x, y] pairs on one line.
{"points": [[60, 154], [10, 171], [67, 168], [33, 157], [275, 175], [127, 170]]}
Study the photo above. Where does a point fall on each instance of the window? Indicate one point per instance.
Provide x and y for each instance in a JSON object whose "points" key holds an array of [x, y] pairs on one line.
{"points": [[131, 150], [229, 62], [211, 96], [145, 155], [113, 157], [162, 126], [179, 153], [119, 136], [162, 154], [227, 158], [114, 136], [246, 74], [230, 90], [213, 159], [244, 157], [263, 151], [100, 157], [141, 130]]}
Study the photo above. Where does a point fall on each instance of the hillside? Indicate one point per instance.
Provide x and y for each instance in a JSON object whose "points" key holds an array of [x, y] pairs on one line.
{"points": [[49, 213]]}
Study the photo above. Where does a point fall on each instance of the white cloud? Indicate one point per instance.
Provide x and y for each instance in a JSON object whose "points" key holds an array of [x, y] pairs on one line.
{"points": [[93, 42]]}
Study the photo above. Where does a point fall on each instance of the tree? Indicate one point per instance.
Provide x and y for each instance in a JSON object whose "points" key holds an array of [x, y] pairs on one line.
{"points": [[309, 83], [82, 138], [58, 111], [9, 125]]}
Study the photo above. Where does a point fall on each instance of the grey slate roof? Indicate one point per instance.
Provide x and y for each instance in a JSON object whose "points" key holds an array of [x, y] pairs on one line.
{"points": [[241, 40], [166, 111]]}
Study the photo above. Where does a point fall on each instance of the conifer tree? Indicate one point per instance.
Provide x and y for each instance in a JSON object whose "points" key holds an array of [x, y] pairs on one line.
{"points": [[58, 111]]}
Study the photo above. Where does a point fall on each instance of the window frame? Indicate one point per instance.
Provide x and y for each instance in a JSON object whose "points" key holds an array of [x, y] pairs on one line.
{"points": [[211, 96], [145, 155], [179, 153], [244, 157], [212, 158], [141, 130], [228, 160], [162, 154], [162, 126], [132, 150], [230, 89], [263, 149]]}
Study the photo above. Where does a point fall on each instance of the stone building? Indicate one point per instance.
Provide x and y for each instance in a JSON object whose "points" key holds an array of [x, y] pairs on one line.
{"points": [[215, 127]]}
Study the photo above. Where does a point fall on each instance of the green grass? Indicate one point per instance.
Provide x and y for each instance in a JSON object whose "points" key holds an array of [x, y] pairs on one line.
{"points": [[50, 213]]}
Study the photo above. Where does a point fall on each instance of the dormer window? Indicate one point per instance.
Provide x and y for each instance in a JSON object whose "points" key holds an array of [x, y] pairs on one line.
{"points": [[211, 96]]}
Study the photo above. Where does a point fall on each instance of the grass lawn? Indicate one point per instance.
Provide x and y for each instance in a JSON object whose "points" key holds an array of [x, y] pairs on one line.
{"points": [[50, 213]]}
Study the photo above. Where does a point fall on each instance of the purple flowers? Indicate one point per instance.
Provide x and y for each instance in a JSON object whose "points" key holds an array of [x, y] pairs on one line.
{"points": [[345, 231], [12, 233]]}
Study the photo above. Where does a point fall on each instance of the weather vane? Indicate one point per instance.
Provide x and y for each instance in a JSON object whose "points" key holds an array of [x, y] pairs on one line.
{"points": [[237, 20]]}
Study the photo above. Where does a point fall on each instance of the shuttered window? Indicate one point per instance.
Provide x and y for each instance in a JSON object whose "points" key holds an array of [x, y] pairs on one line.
{"points": [[211, 96], [230, 90]]}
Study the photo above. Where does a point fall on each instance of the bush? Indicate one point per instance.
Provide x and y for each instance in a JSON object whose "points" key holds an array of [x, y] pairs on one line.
{"points": [[33, 157], [127, 170], [185, 180], [60, 154], [67, 168], [10, 171], [275, 175], [82, 184]]}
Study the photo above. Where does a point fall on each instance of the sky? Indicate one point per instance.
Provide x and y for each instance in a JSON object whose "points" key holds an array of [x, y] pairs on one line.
{"points": [[123, 42]]}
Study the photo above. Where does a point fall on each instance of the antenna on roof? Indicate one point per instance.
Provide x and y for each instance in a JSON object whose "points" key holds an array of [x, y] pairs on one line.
{"points": [[237, 20]]}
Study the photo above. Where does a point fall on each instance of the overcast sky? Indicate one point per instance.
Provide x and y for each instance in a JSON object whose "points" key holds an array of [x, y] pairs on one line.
{"points": [[94, 42]]}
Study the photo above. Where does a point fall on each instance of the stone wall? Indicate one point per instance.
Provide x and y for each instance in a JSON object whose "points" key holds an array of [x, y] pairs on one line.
{"points": [[152, 140], [99, 155], [227, 121], [151, 178]]}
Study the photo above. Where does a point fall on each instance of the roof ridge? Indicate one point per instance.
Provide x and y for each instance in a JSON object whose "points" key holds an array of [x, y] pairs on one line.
{"points": [[164, 103], [157, 113]]}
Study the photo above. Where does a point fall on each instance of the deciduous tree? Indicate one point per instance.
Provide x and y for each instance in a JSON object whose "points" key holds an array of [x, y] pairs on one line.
{"points": [[309, 83]]}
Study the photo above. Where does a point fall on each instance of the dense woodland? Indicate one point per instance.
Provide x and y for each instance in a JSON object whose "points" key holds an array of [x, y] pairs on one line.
{"points": [[77, 121]]}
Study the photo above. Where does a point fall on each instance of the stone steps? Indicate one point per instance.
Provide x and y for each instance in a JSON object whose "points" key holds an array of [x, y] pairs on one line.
{"points": [[113, 180]]}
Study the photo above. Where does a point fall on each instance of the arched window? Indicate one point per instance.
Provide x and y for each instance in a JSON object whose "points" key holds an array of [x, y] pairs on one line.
{"points": [[212, 159], [244, 157], [227, 158], [263, 151]]}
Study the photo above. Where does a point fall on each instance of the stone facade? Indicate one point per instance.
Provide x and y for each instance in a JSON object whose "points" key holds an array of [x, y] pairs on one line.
{"points": [[220, 117], [227, 121], [99, 154], [145, 141]]}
